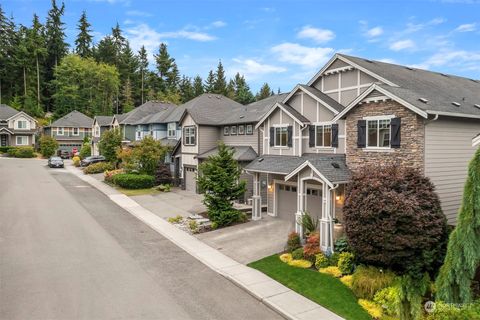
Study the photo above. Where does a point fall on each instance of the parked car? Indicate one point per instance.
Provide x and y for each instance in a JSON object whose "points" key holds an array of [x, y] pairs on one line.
{"points": [[55, 162], [93, 159], [64, 154]]}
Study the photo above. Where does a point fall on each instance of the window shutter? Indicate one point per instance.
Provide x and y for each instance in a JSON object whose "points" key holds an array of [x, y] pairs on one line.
{"points": [[335, 135], [311, 136], [395, 128], [289, 136], [272, 136], [361, 133]]}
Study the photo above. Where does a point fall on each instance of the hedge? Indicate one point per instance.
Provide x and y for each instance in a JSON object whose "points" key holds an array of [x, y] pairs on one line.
{"points": [[134, 181], [98, 167], [5, 149], [21, 152]]}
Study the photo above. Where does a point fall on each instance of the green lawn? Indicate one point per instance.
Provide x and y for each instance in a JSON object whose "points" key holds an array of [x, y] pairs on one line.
{"points": [[321, 288]]}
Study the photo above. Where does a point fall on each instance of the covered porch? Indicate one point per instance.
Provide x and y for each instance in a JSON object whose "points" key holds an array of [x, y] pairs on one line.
{"points": [[315, 185], [5, 137]]}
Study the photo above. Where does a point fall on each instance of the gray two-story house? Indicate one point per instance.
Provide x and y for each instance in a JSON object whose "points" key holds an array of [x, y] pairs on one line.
{"points": [[16, 128], [70, 130], [354, 113], [99, 126]]}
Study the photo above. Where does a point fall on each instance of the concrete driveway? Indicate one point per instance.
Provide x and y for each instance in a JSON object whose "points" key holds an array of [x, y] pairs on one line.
{"points": [[250, 241]]}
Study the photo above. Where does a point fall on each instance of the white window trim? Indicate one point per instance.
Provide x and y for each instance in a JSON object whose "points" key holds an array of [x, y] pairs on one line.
{"points": [[275, 137], [189, 135], [23, 138], [73, 132], [378, 118], [18, 127], [58, 131], [169, 130], [327, 123]]}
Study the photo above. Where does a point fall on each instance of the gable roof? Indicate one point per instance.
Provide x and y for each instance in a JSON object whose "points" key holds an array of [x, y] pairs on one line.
{"points": [[142, 111], [7, 112], [104, 121], [211, 109], [240, 153], [318, 95], [292, 112], [171, 113], [73, 119], [440, 91]]}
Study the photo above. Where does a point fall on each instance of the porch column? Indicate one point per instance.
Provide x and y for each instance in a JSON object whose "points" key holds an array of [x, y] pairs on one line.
{"points": [[300, 206], [326, 222], [256, 198]]}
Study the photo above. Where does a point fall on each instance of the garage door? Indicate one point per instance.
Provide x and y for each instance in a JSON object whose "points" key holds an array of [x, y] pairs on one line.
{"points": [[190, 176], [286, 202]]}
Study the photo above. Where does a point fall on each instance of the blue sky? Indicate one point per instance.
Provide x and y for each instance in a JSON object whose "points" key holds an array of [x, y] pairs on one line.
{"points": [[284, 42]]}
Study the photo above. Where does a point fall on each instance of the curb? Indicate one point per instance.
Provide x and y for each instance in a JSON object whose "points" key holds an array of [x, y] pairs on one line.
{"points": [[273, 294]]}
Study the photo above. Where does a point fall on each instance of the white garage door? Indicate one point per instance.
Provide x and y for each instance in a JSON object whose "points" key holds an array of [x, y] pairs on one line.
{"points": [[190, 176], [286, 202]]}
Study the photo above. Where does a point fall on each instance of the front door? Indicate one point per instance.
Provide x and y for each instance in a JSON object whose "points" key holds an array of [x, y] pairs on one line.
{"points": [[3, 140]]}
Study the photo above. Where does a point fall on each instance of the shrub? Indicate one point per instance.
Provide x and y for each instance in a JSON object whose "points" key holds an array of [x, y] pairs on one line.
{"points": [[308, 223], [373, 309], [297, 254], [5, 149], [109, 174], [164, 188], [341, 245], [345, 262], [389, 299], [133, 181], [86, 150], [147, 154], [76, 161], [293, 242], [110, 141], [333, 259], [312, 247], [300, 263], [321, 261], [333, 271], [21, 152], [367, 281], [163, 175], [286, 257], [347, 280], [226, 217], [98, 167], [48, 146], [446, 311], [406, 230], [176, 219], [193, 226]]}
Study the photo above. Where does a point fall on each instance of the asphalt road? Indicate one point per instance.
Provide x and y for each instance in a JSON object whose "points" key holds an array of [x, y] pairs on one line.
{"points": [[68, 252]]}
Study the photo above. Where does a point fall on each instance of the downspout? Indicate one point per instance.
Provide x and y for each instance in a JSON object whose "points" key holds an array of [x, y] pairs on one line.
{"points": [[424, 138], [330, 216], [301, 139]]}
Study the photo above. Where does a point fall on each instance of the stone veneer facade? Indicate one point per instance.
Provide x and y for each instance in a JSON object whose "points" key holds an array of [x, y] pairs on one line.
{"points": [[412, 132]]}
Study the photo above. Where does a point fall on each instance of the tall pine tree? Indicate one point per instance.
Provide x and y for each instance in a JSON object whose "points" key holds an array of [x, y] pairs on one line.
{"points": [[210, 82], [197, 86], [265, 92], [167, 70], [8, 69], [142, 58], [220, 84], [84, 41]]}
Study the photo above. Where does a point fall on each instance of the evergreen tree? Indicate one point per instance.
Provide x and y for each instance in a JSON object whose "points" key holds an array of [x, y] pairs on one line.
{"points": [[265, 92], [167, 70], [230, 92], [8, 67], [458, 278], [143, 67], [243, 94], [84, 41], [220, 84], [105, 51], [197, 86], [210, 82], [186, 89], [127, 94], [37, 44]]}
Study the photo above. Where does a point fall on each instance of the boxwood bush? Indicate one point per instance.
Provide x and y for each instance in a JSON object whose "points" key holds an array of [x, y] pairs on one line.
{"points": [[5, 149], [98, 167], [21, 152], [134, 181]]}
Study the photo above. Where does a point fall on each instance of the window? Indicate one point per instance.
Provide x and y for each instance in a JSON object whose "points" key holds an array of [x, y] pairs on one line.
{"points": [[21, 124], [139, 135], [226, 130], [168, 158], [281, 137], [378, 133], [189, 133], [323, 136], [241, 129], [249, 129], [233, 130], [60, 131], [22, 140], [172, 130], [76, 131], [97, 131]]}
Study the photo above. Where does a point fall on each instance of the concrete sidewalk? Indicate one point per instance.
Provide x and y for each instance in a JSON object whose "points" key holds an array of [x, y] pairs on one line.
{"points": [[280, 298]]}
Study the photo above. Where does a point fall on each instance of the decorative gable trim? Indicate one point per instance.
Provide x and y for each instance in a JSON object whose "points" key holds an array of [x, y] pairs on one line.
{"points": [[299, 87], [303, 166], [476, 141], [275, 106], [23, 114], [356, 66], [385, 93], [6, 129]]}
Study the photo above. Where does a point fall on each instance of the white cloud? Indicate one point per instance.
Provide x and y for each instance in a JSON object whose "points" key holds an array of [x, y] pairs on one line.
{"points": [[186, 34], [252, 68], [467, 27], [218, 24], [414, 27], [460, 58], [387, 60], [309, 57], [138, 13], [402, 45], [374, 32], [318, 35]]}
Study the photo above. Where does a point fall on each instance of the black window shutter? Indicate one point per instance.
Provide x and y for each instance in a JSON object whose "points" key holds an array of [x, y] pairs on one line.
{"points": [[335, 135], [289, 136], [311, 136], [395, 129], [272, 136], [361, 133]]}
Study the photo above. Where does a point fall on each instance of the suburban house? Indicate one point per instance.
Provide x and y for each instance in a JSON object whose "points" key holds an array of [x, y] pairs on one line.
{"points": [[210, 118], [100, 125], [70, 130], [129, 122], [16, 128], [354, 113]]}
